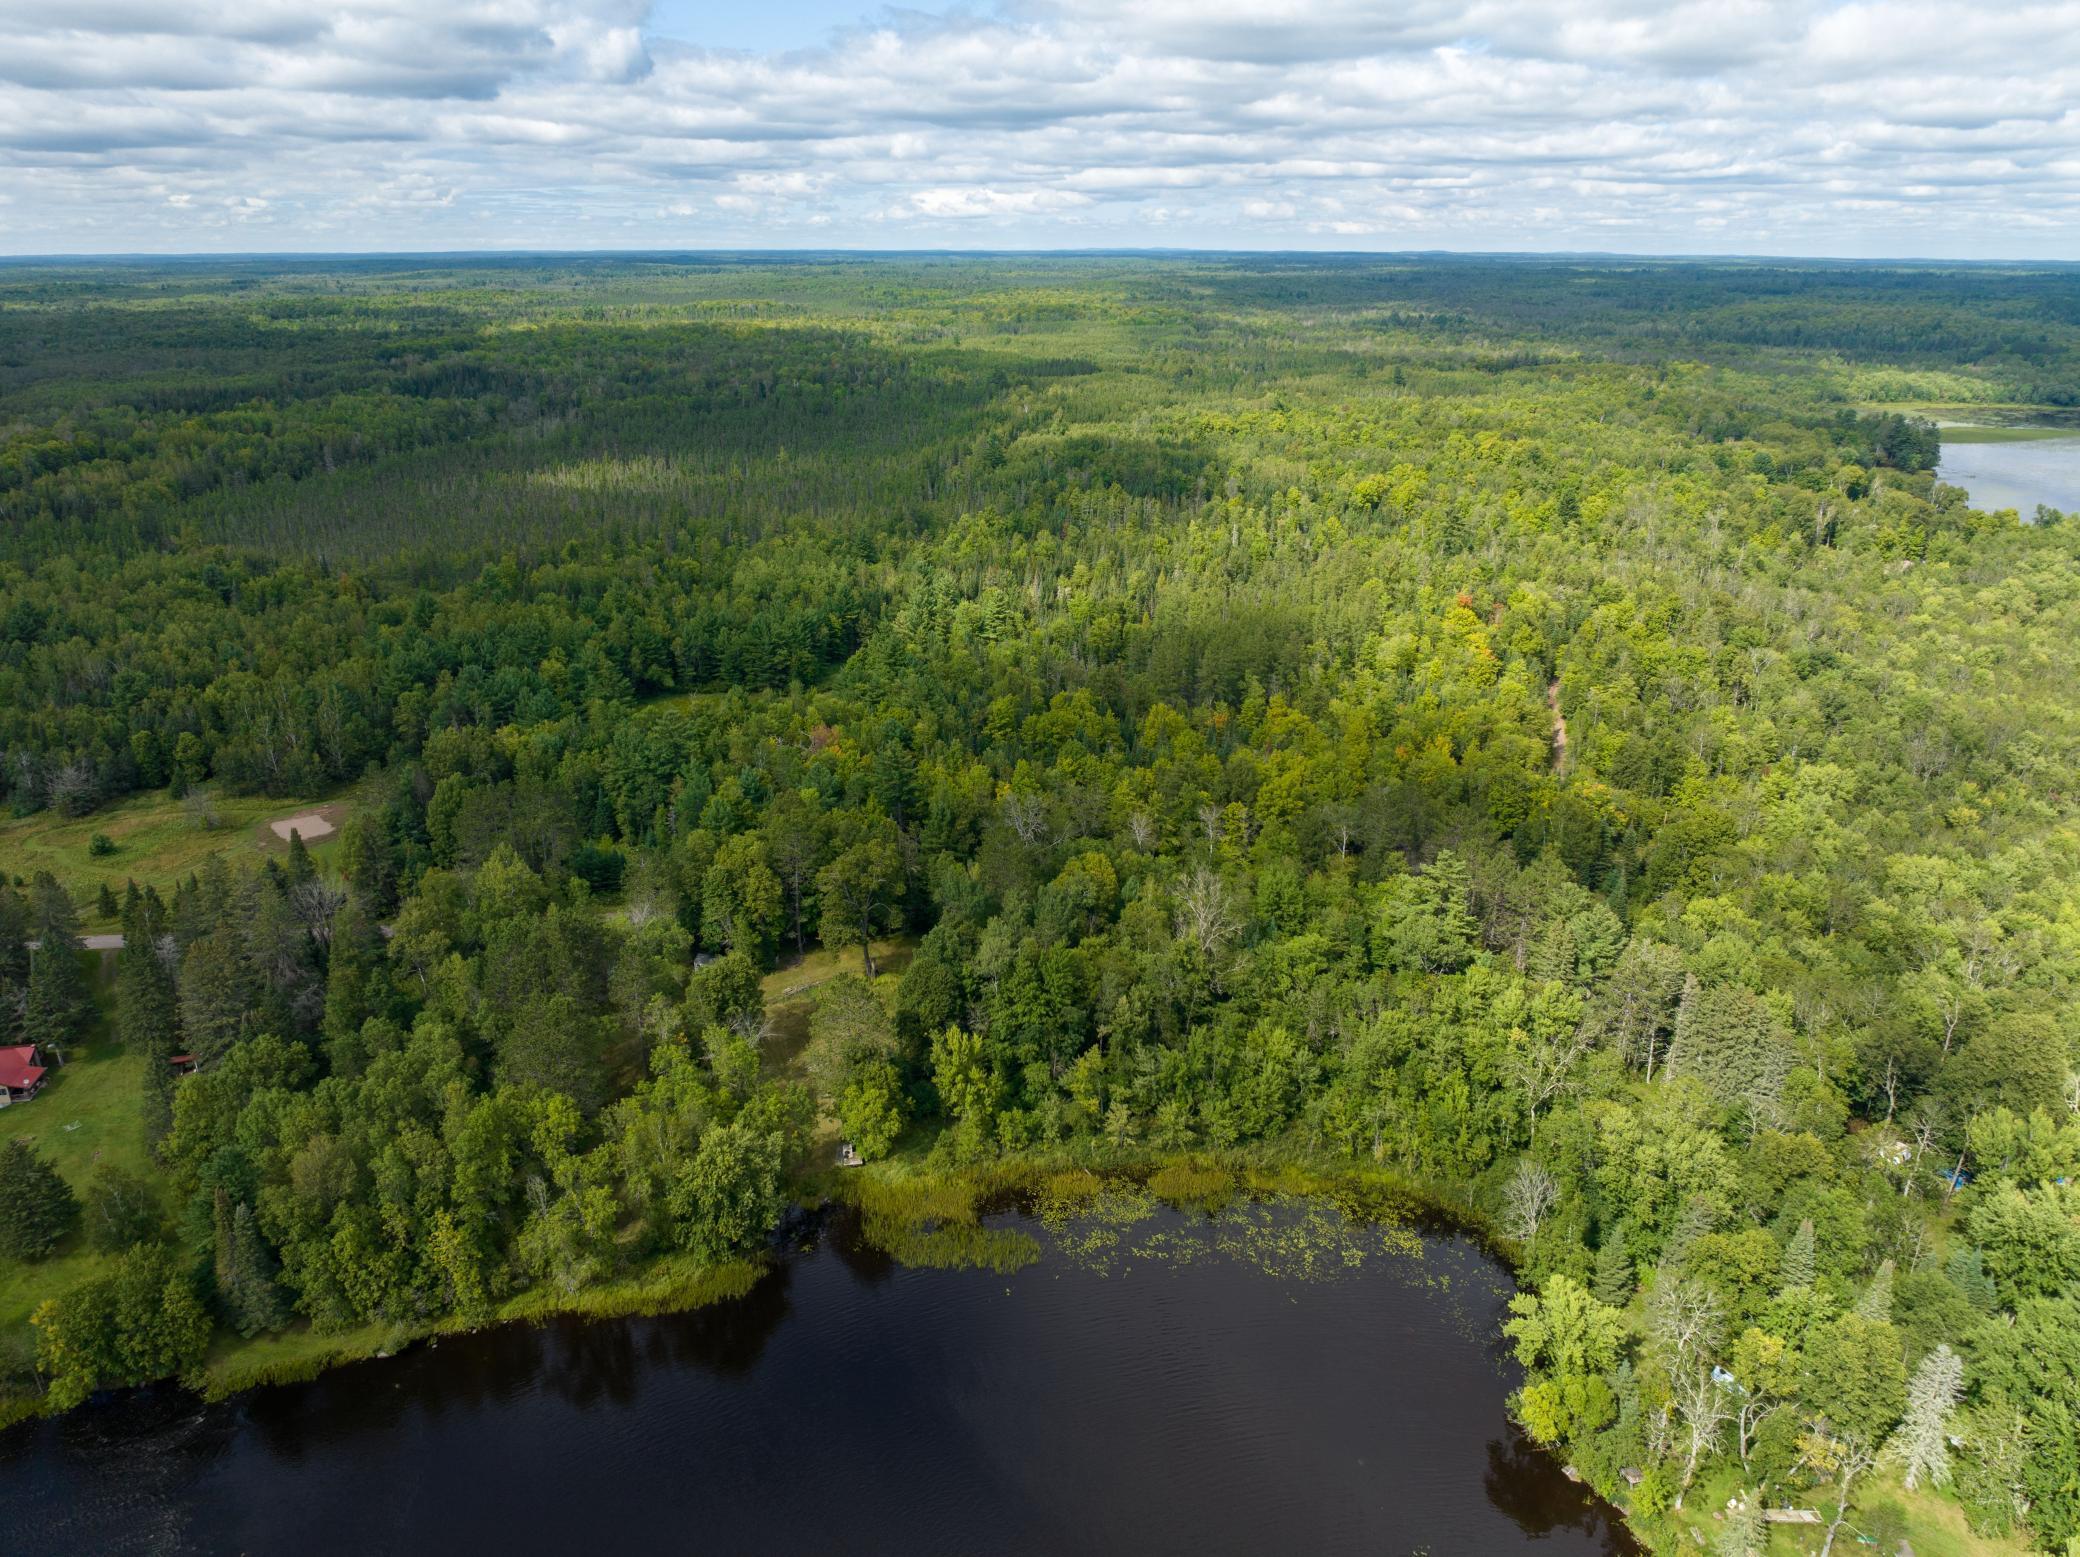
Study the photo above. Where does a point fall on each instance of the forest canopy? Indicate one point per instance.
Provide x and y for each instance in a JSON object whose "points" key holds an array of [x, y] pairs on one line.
{"points": [[1539, 729]]}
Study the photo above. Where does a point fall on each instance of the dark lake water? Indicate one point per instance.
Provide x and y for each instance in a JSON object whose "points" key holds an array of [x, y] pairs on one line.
{"points": [[2014, 468], [1186, 1393]]}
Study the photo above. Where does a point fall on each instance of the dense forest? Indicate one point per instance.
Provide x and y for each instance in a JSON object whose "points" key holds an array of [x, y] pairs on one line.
{"points": [[1537, 730]]}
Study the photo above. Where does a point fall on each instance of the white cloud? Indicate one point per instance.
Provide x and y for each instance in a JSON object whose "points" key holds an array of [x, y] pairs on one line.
{"points": [[969, 202], [1867, 127]]}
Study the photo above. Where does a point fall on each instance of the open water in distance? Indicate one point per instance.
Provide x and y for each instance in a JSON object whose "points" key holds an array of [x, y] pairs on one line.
{"points": [[1185, 1392], [2014, 468]]}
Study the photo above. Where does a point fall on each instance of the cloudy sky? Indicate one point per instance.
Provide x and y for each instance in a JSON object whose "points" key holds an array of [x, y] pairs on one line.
{"points": [[1873, 127]]}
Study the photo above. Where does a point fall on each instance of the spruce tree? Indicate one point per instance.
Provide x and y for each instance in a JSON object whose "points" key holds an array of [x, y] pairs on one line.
{"points": [[1876, 1302], [37, 1208], [1801, 1263], [1966, 1269], [246, 1276], [1615, 1275], [1922, 1442], [14, 960], [57, 1005], [147, 1013], [356, 987]]}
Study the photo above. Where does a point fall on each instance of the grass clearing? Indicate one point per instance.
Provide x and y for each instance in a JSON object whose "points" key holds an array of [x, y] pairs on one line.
{"points": [[157, 841], [89, 1115], [790, 991], [1971, 434], [1931, 1526]]}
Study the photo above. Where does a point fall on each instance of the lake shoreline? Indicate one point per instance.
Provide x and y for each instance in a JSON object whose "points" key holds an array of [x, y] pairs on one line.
{"points": [[1252, 1208], [2027, 467], [673, 1284], [887, 1201]]}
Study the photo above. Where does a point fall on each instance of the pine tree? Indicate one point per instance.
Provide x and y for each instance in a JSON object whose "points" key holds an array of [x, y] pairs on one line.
{"points": [[299, 868], [1922, 1443], [148, 1005], [246, 1276], [37, 1208], [1615, 1275], [1723, 1037], [1801, 1263], [1876, 1302]]}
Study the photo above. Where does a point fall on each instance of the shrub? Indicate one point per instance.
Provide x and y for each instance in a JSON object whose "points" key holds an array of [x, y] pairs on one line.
{"points": [[122, 1210]]}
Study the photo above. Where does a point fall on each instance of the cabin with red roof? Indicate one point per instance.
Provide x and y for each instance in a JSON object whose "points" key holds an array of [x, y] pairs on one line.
{"points": [[21, 1073]]}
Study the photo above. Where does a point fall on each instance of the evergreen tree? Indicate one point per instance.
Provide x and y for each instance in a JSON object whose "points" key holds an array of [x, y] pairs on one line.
{"points": [[246, 1276], [1922, 1441], [14, 961], [57, 1006], [147, 1003], [218, 994], [1966, 1269], [299, 867], [357, 986], [1615, 1276], [37, 1208], [1722, 1037], [368, 858], [1801, 1261], [1876, 1302]]}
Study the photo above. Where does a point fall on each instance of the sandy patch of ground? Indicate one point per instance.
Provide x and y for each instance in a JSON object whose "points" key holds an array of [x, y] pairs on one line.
{"points": [[311, 825]]}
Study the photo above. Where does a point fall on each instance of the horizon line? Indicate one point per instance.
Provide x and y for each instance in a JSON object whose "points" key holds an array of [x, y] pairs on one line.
{"points": [[202, 256]]}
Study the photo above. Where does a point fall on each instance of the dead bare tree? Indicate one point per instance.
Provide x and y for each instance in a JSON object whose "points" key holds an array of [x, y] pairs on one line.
{"points": [[1529, 1196], [1702, 1409], [1206, 915], [317, 903]]}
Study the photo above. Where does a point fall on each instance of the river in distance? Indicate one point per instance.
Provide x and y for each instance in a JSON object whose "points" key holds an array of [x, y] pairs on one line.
{"points": [[1271, 1379], [2014, 467]]}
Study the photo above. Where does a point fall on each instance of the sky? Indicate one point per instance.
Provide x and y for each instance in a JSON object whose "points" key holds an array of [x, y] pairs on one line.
{"points": [[1869, 128]]}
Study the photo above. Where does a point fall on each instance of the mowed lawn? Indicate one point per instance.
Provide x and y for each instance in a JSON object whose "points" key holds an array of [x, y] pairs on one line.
{"points": [[158, 841], [89, 1115]]}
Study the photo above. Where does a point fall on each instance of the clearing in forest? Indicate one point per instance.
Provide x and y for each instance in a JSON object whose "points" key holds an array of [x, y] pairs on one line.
{"points": [[156, 840], [790, 992]]}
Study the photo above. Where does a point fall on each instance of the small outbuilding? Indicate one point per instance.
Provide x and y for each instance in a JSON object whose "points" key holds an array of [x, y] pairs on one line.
{"points": [[181, 1064], [22, 1073], [848, 1156]]}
